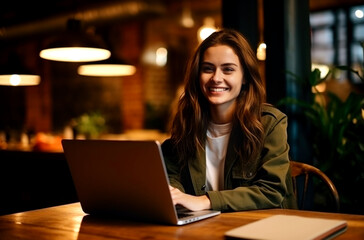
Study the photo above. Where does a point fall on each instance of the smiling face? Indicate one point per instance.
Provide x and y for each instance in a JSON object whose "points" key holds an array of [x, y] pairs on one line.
{"points": [[221, 76]]}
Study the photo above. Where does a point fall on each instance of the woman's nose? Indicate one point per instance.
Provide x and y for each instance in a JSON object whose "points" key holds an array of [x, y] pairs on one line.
{"points": [[217, 76]]}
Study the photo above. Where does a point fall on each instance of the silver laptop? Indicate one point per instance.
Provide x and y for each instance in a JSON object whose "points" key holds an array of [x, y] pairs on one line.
{"points": [[126, 179]]}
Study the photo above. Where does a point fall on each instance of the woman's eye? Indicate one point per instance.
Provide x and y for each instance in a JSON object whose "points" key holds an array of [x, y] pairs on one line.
{"points": [[207, 69], [228, 70]]}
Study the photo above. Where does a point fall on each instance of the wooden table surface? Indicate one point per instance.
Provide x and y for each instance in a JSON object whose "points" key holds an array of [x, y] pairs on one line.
{"points": [[68, 222]]}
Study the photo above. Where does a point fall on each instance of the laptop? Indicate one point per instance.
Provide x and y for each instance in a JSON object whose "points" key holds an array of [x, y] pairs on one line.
{"points": [[126, 179]]}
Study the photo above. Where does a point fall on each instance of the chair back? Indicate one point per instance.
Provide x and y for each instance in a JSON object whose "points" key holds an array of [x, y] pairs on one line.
{"points": [[306, 170]]}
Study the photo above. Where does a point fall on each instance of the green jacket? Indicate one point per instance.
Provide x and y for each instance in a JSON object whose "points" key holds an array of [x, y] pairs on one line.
{"points": [[267, 183]]}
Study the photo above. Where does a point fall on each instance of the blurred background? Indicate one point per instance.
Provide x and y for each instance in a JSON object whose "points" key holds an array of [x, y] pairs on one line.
{"points": [[156, 37]]}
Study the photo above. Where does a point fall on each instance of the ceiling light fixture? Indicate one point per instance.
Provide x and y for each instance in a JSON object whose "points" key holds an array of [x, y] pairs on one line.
{"points": [[108, 68], [14, 73], [19, 80], [74, 54], [76, 46]]}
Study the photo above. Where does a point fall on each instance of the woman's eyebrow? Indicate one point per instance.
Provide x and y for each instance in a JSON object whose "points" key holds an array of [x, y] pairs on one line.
{"points": [[224, 64], [229, 64], [208, 63]]}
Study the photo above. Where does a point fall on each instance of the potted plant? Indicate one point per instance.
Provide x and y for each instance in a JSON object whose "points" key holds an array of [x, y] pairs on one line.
{"points": [[90, 125], [337, 136]]}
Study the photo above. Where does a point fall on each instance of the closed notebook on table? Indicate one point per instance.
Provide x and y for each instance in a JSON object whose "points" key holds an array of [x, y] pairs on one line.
{"points": [[289, 227]]}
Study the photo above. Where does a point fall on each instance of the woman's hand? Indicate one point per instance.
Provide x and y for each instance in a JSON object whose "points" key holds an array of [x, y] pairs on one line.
{"points": [[194, 203]]}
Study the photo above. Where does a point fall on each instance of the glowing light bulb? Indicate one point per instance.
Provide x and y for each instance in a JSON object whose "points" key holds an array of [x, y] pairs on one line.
{"points": [[15, 80]]}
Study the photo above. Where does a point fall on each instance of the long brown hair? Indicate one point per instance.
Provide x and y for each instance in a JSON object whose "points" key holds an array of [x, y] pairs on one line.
{"points": [[193, 114]]}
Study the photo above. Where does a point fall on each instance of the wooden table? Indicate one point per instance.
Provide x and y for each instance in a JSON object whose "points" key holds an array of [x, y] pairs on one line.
{"points": [[68, 222]]}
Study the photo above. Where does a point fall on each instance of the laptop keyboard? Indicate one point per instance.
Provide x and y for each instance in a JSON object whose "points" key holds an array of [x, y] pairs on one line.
{"points": [[183, 215], [183, 212]]}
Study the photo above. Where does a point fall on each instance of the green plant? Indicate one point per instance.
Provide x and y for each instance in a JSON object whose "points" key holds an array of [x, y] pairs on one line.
{"points": [[337, 129], [91, 125]]}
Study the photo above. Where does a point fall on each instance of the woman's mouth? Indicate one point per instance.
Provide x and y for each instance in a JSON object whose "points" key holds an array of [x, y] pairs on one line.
{"points": [[219, 89]]}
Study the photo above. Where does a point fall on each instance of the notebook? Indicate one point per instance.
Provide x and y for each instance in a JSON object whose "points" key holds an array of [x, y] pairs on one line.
{"points": [[288, 227], [126, 179]]}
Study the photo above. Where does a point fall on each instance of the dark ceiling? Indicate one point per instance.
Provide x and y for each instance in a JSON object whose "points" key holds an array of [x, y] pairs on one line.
{"points": [[32, 18], [20, 12], [24, 11], [24, 18]]}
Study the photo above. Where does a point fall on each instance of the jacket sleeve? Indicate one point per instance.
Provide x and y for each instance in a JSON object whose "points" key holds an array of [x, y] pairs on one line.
{"points": [[172, 165], [267, 186]]}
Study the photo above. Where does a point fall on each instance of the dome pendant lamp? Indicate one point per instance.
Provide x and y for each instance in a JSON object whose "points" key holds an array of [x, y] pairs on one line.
{"points": [[14, 73], [19, 79], [75, 46], [108, 68]]}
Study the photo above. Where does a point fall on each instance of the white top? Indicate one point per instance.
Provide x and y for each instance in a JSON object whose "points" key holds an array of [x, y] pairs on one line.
{"points": [[216, 147]]}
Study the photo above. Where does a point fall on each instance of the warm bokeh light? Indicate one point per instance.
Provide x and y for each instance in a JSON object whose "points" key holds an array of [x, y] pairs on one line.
{"points": [[187, 20], [207, 29], [75, 54], [161, 56], [106, 70], [261, 51], [156, 55], [19, 80], [14, 80], [320, 88]]}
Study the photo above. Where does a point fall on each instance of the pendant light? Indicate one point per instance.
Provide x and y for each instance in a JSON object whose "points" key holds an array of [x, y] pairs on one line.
{"points": [[14, 73], [19, 79], [75, 46], [111, 67]]}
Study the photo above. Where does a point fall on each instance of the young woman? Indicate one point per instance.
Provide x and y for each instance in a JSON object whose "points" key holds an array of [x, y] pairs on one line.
{"points": [[228, 150]]}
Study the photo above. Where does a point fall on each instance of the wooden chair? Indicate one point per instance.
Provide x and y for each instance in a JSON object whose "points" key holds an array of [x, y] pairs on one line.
{"points": [[306, 170]]}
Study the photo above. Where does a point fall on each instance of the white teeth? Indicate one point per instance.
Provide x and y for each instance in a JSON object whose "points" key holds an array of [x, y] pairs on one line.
{"points": [[218, 89]]}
